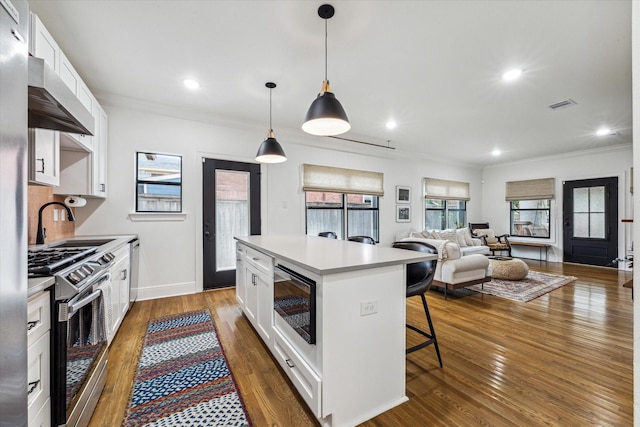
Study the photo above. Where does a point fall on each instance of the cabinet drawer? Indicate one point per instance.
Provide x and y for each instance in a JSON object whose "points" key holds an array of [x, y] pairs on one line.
{"points": [[38, 374], [260, 261], [38, 316], [41, 418], [306, 381]]}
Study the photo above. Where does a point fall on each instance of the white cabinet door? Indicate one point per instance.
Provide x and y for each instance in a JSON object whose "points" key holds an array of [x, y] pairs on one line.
{"points": [[44, 157], [251, 296], [265, 308], [85, 173], [39, 359], [42, 45], [119, 288], [100, 142], [72, 79], [241, 286]]}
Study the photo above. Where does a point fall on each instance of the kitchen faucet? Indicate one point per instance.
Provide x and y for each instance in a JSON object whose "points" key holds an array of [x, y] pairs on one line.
{"points": [[41, 234]]}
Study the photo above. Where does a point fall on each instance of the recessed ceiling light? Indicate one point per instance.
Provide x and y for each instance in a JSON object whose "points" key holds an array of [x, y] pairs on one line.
{"points": [[391, 124], [604, 132], [191, 84], [512, 74], [496, 152]]}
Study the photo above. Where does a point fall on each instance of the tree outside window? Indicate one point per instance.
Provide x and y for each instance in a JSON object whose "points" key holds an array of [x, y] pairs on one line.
{"points": [[530, 218], [441, 214]]}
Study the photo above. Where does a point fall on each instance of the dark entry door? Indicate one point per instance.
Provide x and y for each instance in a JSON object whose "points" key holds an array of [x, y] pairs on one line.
{"points": [[231, 207], [590, 221]]}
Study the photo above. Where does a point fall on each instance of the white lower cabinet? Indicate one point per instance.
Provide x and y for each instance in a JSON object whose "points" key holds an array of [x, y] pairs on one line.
{"points": [[307, 382], [254, 293], [39, 359], [257, 292], [119, 288]]}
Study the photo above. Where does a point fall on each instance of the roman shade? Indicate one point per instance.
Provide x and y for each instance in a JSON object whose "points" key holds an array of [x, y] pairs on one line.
{"points": [[339, 180], [532, 189], [447, 190]]}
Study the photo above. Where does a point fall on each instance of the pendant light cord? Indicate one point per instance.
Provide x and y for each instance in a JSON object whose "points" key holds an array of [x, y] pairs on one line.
{"points": [[270, 127], [325, 49]]}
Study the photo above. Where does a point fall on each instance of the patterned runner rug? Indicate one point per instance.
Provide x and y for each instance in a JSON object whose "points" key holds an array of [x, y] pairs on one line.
{"points": [[183, 378], [531, 287]]}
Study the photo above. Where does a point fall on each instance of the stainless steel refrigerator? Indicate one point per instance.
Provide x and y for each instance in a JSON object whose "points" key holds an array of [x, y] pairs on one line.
{"points": [[14, 35]]}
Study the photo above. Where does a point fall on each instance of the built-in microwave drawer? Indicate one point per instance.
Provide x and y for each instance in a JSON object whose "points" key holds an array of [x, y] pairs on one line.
{"points": [[306, 381]]}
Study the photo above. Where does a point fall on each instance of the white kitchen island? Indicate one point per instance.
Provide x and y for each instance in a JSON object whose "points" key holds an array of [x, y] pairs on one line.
{"points": [[356, 368]]}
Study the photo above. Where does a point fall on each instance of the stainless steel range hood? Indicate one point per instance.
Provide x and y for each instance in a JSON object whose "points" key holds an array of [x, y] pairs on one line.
{"points": [[52, 105]]}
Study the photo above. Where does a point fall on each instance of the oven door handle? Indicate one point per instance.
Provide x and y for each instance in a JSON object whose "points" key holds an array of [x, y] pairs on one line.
{"points": [[74, 306]]}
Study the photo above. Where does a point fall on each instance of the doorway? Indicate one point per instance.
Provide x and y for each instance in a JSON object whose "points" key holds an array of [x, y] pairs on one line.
{"points": [[231, 207], [590, 221]]}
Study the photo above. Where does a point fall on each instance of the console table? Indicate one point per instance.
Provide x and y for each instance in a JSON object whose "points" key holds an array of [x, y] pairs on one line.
{"points": [[540, 246]]}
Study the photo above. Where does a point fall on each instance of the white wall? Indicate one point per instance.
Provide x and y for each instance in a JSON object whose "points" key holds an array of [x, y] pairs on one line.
{"points": [[589, 164], [170, 254]]}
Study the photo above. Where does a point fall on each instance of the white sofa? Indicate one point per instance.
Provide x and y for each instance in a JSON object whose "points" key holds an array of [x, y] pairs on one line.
{"points": [[456, 268]]}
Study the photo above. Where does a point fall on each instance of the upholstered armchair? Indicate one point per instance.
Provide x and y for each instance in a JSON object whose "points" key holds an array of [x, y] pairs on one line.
{"points": [[496, 243]]}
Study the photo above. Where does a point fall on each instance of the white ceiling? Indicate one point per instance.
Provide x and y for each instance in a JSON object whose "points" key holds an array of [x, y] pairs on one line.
{"points": [[432, 66]]}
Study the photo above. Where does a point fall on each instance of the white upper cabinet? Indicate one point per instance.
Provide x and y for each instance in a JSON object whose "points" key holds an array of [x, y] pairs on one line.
{"points": [[72, 79], [42, 45], [44, 144], [85, 173], [75, 164], [99, 172]]}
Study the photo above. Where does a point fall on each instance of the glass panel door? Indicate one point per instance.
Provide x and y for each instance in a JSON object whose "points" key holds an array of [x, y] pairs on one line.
{"points": [[232, 215]]}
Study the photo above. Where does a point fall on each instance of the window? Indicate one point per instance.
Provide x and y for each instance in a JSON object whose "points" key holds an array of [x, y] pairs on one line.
{"points": [[344, 201], [445, 203], [441, 214], [158, 183], [530, 218], [331, 211]]}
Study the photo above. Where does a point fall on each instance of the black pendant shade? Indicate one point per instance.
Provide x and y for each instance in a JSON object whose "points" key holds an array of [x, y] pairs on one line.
{"points": [[270, 150], [325, 116]]}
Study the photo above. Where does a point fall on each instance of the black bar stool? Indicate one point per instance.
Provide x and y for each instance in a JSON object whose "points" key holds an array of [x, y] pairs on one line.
{"points": [[419, 279], [328, 234], [362, 239]]}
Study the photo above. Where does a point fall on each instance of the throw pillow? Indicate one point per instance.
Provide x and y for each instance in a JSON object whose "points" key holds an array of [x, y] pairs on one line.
{"points": [[468, 238], [491, 237], [449, 235], [460, 232]]}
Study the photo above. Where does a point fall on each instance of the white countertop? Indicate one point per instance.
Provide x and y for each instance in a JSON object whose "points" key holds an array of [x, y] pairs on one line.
{"points": [[327, 256]]}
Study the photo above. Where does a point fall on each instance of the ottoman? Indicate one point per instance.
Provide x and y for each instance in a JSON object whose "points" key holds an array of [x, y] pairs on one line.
{"points": [[508, 268]]}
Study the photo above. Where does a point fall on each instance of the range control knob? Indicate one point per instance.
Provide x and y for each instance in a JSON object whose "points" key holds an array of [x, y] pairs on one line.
{"points": [[108, 257], [74, 278]]}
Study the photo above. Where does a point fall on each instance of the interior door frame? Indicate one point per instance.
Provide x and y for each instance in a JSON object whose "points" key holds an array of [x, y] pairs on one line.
{"points": [[198, 286]]}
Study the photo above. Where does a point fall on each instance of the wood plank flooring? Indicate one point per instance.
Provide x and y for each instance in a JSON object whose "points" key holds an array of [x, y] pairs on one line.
{"points": [[563, 359]]}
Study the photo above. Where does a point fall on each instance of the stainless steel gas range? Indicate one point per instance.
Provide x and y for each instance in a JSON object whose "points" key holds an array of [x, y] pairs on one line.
{"points": [[79, 343]]}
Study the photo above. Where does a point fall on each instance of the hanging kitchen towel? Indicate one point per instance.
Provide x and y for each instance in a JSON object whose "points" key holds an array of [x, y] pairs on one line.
{"points": [[107, 309]]}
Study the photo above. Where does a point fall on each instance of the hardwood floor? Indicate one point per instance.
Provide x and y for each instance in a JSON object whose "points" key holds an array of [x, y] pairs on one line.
{"points": [[563, 359]]}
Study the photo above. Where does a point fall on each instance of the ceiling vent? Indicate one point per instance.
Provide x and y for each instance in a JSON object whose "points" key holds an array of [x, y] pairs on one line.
{"points": [[563, 104]]}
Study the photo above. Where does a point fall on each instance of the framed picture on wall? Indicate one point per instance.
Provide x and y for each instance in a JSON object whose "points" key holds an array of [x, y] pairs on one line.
{"points": [[403, 213], [403, 194]]}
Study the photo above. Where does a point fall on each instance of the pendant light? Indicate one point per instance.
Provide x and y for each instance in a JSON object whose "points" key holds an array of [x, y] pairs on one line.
{"points": [[270, 150], [326, 117]]}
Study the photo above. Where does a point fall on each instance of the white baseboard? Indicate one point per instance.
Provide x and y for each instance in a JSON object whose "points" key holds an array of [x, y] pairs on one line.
{"points": [[163, 291]]}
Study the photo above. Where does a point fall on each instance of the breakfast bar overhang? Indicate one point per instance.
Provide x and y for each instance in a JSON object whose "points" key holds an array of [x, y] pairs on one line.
{"points": [[355, 369]]}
